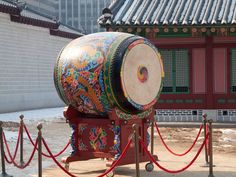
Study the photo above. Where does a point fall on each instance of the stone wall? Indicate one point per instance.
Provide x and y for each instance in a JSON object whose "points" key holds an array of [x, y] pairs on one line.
{"points": [[27, 57]]}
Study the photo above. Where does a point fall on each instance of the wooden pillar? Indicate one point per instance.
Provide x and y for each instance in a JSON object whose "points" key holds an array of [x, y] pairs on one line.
{"points": [[228, 72], [209, 73]]}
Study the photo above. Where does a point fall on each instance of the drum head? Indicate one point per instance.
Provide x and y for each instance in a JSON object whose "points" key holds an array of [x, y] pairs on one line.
{"points": [[141, 74]]}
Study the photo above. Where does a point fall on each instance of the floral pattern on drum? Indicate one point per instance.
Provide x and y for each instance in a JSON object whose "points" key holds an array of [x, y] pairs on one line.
{"points": [[88, 74]]}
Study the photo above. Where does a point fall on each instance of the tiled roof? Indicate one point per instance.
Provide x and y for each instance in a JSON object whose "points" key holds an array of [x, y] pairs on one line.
{"points": [[27, 12], [170, 12], [21, 13], [7, 3], [8, 7], [68, 29]]}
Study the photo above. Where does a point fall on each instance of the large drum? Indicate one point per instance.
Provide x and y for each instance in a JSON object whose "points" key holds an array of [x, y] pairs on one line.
{"points": [[101, 71]]}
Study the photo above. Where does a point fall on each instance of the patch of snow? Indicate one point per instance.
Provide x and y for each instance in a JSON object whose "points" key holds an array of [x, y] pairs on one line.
{"points": [[12, 135], [227, 139], [228, 131], [34, 115], [226, 145]]}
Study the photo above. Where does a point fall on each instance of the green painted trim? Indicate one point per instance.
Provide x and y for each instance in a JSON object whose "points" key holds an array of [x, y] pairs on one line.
{"points": [[142, 33], [172, 34], [233, 54], [174, 70], [127, 116], [106, 68], [232, 34], [188, 76], [180, 33]]}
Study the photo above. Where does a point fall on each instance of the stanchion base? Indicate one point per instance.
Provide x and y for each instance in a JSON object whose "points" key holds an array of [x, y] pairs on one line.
{"points": [[205, 165], [211, 175], [22, 163], [5, 175]]}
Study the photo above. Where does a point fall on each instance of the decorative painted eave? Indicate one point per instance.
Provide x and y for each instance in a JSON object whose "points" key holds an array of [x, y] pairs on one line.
{"points": [[155, 31], [190, 13]]}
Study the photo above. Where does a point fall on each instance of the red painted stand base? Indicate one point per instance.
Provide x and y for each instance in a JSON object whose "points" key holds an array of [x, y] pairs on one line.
{"points": [[105, 137]]}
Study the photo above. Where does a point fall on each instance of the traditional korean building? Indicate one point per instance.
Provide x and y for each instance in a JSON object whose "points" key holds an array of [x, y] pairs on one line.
{"points": [[197, 40], [29, 45]]}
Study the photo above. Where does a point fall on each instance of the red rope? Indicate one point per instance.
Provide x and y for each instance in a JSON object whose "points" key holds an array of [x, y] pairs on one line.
{"points": [[173, 171], [55, 160], [46, 155], [207, 142], [7, 160], [162, 140], [118, 160], [13, 160], [16, 149], [108, 171]]}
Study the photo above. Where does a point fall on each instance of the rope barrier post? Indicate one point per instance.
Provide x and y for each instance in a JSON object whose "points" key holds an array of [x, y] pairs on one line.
{"points": [[205, 133], [136, 141], [3, 174], [21, 139], [39, 127], [152, 137], [210, 149]]}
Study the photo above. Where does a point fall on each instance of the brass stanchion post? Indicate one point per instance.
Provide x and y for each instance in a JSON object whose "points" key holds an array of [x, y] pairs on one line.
{"points": [[21, 139], [39, 150], [4, 173], [205, 133], [136, 141], [152, 137], [210, 149]]}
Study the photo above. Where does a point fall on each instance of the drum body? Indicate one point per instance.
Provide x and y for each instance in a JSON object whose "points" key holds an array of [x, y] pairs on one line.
{"points": [[98, 72]]}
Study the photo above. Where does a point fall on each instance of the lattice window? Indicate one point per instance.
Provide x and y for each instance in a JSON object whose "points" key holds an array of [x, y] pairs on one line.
{"points": [[182, 70], [233, 70], [176, 66], [168, 67]]}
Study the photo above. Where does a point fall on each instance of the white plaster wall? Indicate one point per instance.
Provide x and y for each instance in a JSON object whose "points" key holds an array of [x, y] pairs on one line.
{"points": [[27, 57]]}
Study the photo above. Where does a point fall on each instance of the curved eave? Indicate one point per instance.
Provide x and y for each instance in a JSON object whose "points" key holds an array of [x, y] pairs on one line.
{"points": [[167, 24], [9, 9], [64, 34], [174, 12], [33, 22], [114, 26], [53, 27]]}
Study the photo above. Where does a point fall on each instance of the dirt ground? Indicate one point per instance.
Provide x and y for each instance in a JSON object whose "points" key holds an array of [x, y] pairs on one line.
{"points": [[178, 139]]}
